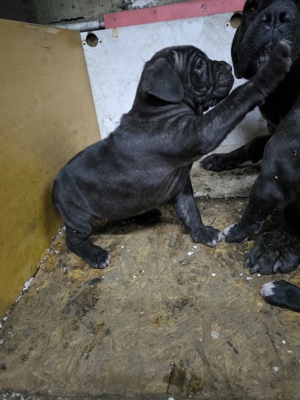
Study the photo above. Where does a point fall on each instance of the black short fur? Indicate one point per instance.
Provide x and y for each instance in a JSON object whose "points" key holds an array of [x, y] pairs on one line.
{"points": [[265, 23], [146, 161]]}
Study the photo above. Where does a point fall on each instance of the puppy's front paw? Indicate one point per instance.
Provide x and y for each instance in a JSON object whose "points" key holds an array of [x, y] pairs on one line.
{"points": [[274, 70], [234, 234], [219, 162], [212, 162], [207, 235], [275, 251]]}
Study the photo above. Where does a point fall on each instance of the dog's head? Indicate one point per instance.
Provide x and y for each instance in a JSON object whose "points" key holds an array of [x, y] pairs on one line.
{"points": [[264, 23], [185, 74]]}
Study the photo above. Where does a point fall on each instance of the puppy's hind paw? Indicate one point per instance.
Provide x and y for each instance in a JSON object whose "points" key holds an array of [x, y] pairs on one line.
{"points": [[100, 260], [95, 256]]}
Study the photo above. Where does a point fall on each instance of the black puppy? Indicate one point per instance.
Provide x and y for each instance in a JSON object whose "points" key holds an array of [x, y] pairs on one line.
{"points": [[264, 23], [146, 161]]}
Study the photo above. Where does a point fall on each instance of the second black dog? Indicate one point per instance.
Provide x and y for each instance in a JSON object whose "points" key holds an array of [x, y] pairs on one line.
{"points": [[265, 23], [146, 161]]}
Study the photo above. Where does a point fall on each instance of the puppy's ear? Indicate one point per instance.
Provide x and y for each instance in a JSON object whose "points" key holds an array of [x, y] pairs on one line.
{"points": [[161, 80], [234, 54]]}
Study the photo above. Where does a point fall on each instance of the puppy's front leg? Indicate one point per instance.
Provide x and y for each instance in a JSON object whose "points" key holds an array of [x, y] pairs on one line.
{"points": [[262, 201], [188, 213]]}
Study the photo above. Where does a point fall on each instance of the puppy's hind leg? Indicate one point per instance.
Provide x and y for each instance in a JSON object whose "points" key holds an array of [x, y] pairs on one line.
{"points": [[78, 242], [188, 213]]}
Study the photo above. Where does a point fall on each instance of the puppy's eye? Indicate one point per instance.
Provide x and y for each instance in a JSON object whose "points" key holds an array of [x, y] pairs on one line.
{"points": [[199, 65]]}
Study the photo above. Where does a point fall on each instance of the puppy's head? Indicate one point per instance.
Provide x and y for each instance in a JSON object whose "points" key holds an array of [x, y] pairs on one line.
{"points": [[264, 23], [185, 74]]}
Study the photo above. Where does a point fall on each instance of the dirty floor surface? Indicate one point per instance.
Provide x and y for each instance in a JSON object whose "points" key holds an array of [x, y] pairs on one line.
{"points": [[167, 319]]}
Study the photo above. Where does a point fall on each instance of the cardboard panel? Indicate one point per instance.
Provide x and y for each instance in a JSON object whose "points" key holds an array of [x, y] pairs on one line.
{"points": [[47, 115]]}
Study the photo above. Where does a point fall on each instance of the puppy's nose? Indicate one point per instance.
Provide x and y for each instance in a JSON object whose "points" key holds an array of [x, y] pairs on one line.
{"points": [[276, 16], [226, 66]]}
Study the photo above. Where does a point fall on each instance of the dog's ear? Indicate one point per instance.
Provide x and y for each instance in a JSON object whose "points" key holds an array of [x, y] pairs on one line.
{"points": [[234, 54], [161, 80]]}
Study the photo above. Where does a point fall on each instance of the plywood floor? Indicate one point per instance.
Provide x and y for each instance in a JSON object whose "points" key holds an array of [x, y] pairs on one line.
{"points": [[167, 319]]}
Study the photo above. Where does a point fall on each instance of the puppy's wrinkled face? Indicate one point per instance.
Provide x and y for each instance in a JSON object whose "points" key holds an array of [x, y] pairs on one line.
{"points": [[184, 74], [264, 23], [205, 82]]}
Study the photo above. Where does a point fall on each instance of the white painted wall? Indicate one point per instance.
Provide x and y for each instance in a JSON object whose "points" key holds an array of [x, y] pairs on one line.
{"points": [[115, 65]]}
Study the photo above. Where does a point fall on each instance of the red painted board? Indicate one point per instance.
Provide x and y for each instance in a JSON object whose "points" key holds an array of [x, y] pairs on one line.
{"points": [[190, 9]]}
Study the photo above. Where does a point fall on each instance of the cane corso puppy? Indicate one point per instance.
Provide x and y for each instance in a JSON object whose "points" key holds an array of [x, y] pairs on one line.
{"points": [[264, 23], [146, 161]]}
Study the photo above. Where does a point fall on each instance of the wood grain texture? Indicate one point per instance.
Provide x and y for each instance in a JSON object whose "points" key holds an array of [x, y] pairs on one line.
{"points": [[47, 115], [167, 318]]}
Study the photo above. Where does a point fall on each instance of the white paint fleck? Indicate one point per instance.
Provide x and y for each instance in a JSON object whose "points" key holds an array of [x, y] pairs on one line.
{"points": [[248, 278], [195, 247], [190, 253], [241, 274], [283, 342], [134, 276], [27, 284], [258, 274], [215, 335], [275, 369], [213, 274]]}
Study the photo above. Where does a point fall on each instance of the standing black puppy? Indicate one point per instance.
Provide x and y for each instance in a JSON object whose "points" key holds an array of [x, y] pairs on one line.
{"points": [[146, 161], [265, 23]]}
